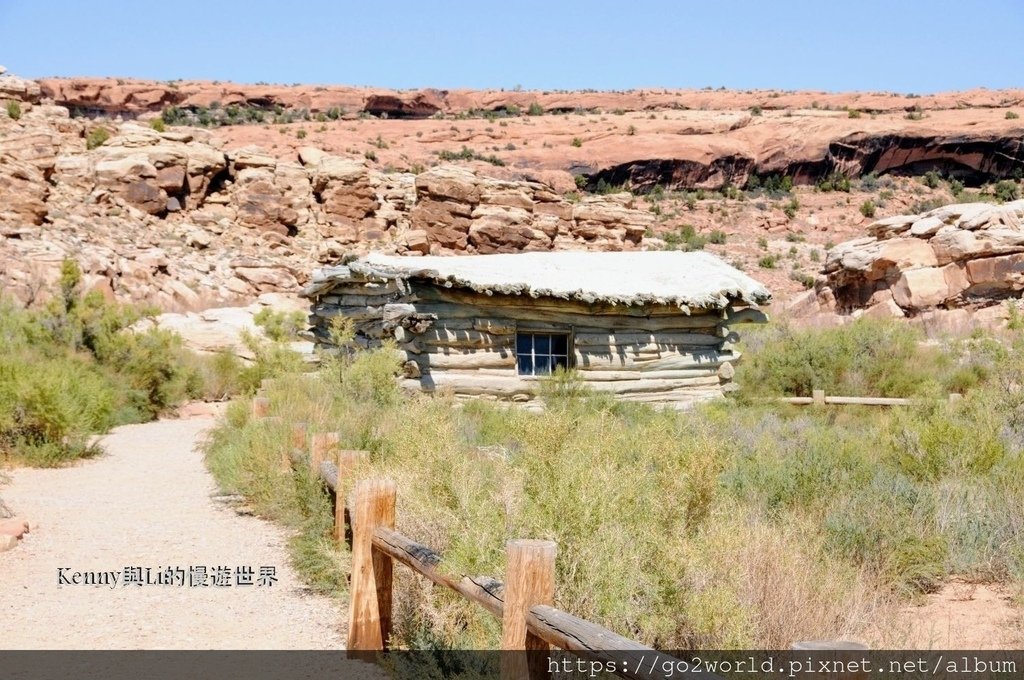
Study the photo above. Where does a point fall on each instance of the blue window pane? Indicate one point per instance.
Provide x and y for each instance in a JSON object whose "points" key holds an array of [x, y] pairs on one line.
{"points": [[525, 364], [559, 361], [524, 343], [542, 344], [559, 344], [542, 365]]}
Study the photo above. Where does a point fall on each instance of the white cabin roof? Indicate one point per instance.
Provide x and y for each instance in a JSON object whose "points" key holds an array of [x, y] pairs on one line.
{"points": [[685, 279]]}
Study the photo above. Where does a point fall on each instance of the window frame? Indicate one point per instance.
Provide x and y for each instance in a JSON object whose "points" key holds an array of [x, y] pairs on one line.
{"points": [[570, 344]]}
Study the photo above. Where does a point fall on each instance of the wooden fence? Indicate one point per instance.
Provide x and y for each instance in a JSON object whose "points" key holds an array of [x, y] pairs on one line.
{"points": [[819, 398]]}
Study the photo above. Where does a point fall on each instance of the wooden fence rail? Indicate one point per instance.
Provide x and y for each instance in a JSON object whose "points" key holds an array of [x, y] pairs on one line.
{"points": [[819, 398], [523, 602]]}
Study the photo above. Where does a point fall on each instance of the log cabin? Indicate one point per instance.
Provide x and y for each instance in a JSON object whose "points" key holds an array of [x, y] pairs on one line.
{"points": [[651, 327]]}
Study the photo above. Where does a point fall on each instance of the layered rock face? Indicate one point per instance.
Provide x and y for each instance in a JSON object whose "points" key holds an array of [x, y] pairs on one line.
{"points": [[173, 219], [969, 254], [457, 209]]}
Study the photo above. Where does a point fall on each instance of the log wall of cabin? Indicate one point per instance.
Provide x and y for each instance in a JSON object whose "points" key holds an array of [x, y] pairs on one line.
{"points": [[465, 341]]}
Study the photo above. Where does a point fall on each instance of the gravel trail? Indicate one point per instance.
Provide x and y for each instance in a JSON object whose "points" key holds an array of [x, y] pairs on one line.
{"points": [[147, 503]]}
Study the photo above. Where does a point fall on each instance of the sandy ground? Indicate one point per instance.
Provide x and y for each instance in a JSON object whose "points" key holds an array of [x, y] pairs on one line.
{"points": [[965, 616], [147, 503]]}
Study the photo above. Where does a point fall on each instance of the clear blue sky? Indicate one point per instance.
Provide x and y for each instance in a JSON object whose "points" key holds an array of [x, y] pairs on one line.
{"points": [[900, 45]]}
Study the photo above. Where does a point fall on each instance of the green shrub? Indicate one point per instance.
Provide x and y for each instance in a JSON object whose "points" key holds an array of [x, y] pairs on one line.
{"points": [[768, 261], [853, 113], [835, 182], [577, 142], [865, 358], [1012, 115], [805, 280], [13, 109], [867, 208], [96, 137], [685, 239], [280, 325], [73, 368], [535, 109], [1006, 190], [790, 208], [155, 376], [158, 125], [49, 406]]}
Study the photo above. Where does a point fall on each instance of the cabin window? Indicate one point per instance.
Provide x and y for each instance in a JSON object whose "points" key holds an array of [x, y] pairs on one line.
{"points": [[541, 353]]}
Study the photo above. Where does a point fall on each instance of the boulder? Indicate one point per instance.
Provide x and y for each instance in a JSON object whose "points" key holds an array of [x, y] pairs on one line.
{"points": [[969, 253], [920, 288]]}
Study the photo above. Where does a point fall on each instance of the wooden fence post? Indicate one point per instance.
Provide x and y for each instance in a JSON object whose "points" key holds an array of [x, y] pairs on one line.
{"points": [[260, 407], [348, 461], [319, 445], [529, 581], [819, 397], [369, 620]]}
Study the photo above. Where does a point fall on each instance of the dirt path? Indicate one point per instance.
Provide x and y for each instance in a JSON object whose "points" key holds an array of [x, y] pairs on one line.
{"points": [[147, 503]]}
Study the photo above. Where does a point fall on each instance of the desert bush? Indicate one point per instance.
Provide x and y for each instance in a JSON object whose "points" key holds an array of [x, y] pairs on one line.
{"points": [[870, 358], [49, 406], [835, 182], [685, 238], [790, 208], [79, 365], [867, 208], [280, 325], [96, 137], [13, 109], [1006, 190]]}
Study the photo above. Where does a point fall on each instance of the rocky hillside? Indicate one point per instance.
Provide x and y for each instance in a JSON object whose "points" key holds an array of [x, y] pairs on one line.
{"points": [[189, 194], [168, 215]]}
